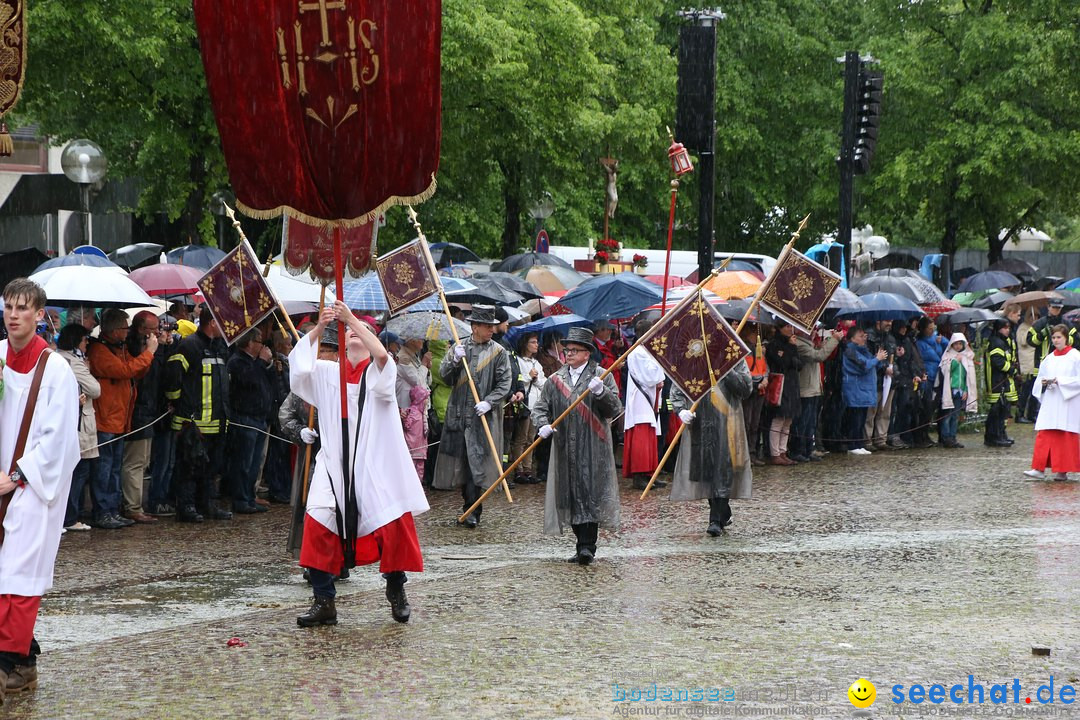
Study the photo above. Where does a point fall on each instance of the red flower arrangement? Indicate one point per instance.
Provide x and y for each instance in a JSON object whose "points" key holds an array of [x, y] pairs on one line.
{"points": [[608, 245], [601, 257], [640, 260]]}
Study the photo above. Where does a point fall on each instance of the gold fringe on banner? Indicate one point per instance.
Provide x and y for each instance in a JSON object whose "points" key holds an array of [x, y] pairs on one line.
{"points": [[341, 223]]}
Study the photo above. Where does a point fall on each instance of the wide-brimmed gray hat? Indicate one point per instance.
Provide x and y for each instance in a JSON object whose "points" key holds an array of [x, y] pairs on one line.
{"points": [[483, 314], [1057, 302], [580, 336]]}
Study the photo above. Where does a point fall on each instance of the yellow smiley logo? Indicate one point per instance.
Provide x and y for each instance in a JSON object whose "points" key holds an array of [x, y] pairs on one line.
{"points": [[862, 693]]}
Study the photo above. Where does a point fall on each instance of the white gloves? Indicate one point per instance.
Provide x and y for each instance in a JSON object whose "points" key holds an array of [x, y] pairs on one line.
{"points": [[459, 352], [309, 436], [483, 407], [545, 432], [596, 386], [686, 416]]}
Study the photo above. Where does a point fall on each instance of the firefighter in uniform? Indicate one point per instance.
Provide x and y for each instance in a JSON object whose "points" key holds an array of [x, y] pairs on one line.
{"points": [[197, 386], [1000, 382]]}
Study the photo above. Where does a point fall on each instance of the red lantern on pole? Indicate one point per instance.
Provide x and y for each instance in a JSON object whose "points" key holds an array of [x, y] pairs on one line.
{"points": [[680, 158], [680, 165]]}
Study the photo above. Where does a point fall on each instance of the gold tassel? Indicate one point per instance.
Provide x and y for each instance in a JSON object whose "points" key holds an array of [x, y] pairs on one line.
{"points": [[7, 145]]}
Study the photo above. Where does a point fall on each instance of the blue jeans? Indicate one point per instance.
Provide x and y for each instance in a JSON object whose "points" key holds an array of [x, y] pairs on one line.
{"points": [[245, 458], [951, 420], [162, 459], [805, 427], [82, 473], [105, 482]]}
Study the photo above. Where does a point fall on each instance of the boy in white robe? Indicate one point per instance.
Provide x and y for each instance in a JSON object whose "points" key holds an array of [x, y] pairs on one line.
{"points": [[34, 486]]}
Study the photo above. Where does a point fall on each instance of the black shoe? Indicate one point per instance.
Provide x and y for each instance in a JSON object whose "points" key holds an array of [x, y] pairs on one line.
{"points": [[124, 522], [798, 458], [109, 522], [1024, 421], [213, 512], [395, 593], [189, 514], [1009, 440], [997, 443], [715, 529], [585, 556], [470, 522], [642, 483], [279, 499], [322, 612], [248, 509], [575, 559], [527, 480]]}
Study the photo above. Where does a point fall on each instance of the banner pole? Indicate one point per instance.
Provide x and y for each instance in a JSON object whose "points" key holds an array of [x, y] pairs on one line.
{"points": [[742, 323], [614, 366]]}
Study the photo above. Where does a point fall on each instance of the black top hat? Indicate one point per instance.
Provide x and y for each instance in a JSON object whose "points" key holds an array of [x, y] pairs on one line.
{"points": [[483, 314], [329, 336], [581, 336]]}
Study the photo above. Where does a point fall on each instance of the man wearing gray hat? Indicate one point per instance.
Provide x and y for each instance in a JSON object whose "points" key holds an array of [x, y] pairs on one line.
{"points": [[582, 487], [465, 458]]}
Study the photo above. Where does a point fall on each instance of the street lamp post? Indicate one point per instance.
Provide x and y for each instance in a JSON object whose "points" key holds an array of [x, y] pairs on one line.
{"points": [[217, 207], [84, 163], [540, 211]]}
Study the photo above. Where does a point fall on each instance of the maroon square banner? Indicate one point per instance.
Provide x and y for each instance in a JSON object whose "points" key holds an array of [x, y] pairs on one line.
{"points": [[310, 248], [799, 289], [695, 346], [407, 276], [236, 292]]}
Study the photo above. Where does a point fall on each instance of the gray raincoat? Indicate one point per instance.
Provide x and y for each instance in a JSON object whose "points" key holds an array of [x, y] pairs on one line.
{"points": [[463, 438], [714, 461], [582, 486]]}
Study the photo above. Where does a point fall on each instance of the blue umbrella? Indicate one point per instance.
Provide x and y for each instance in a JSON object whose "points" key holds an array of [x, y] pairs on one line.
{"points": [[197, 256], [989, 280], [881, 306], [1073, 285], [367, 294], [607, 296], [553, 323], [84, 259], [448, 253]]}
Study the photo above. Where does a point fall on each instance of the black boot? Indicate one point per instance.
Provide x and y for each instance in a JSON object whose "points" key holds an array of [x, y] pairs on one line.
{"points": [[188, 514], [322, 612], [213, 512], [395, 593], [719, 516]]}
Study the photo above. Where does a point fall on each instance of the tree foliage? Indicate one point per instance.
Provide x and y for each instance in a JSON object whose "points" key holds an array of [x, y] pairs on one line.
{"points": [[977, 130]]}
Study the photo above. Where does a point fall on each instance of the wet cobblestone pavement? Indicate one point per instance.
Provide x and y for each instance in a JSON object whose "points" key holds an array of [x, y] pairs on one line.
{"points": [[916, 566]]}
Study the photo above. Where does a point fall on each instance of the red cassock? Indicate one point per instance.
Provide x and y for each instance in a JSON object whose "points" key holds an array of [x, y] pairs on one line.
{"points": [[329, 109]]}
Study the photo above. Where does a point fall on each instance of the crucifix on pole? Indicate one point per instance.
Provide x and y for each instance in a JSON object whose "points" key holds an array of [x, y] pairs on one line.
{"points": [[611, 193]]}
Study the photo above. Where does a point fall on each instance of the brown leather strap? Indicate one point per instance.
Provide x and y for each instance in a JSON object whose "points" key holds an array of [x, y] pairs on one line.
{"points": [[24, 431]]}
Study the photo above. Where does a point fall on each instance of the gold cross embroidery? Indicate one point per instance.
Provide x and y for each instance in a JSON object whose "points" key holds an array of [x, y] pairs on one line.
{"points": [[323, 6]]}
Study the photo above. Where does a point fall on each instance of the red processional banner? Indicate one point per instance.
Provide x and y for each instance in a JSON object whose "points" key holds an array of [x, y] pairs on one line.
{"points": [[310, 249], [327, 109]]}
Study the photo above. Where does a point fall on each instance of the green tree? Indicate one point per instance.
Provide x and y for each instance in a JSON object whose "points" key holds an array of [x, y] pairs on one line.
{"points": [[978, 129], [129, 76]]}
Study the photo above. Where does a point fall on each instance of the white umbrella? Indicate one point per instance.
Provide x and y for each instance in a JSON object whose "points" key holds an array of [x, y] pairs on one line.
{"points": [[294, 288], [97, 287]]}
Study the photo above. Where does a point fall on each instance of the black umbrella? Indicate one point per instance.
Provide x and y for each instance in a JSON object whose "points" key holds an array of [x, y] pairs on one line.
{"points": [[734, 310], [132, 256], [1016, 266], [989, 280], [965, 316], [197, 256], [511, 282], [487, 292], [916, 289], [898, 260], [523, 261], [895, 272], [1049, 282], [448, 253], [993, 301]]}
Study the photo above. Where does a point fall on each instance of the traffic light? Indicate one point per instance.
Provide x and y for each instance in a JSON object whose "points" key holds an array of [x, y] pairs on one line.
{"points": [[867, 117]]}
